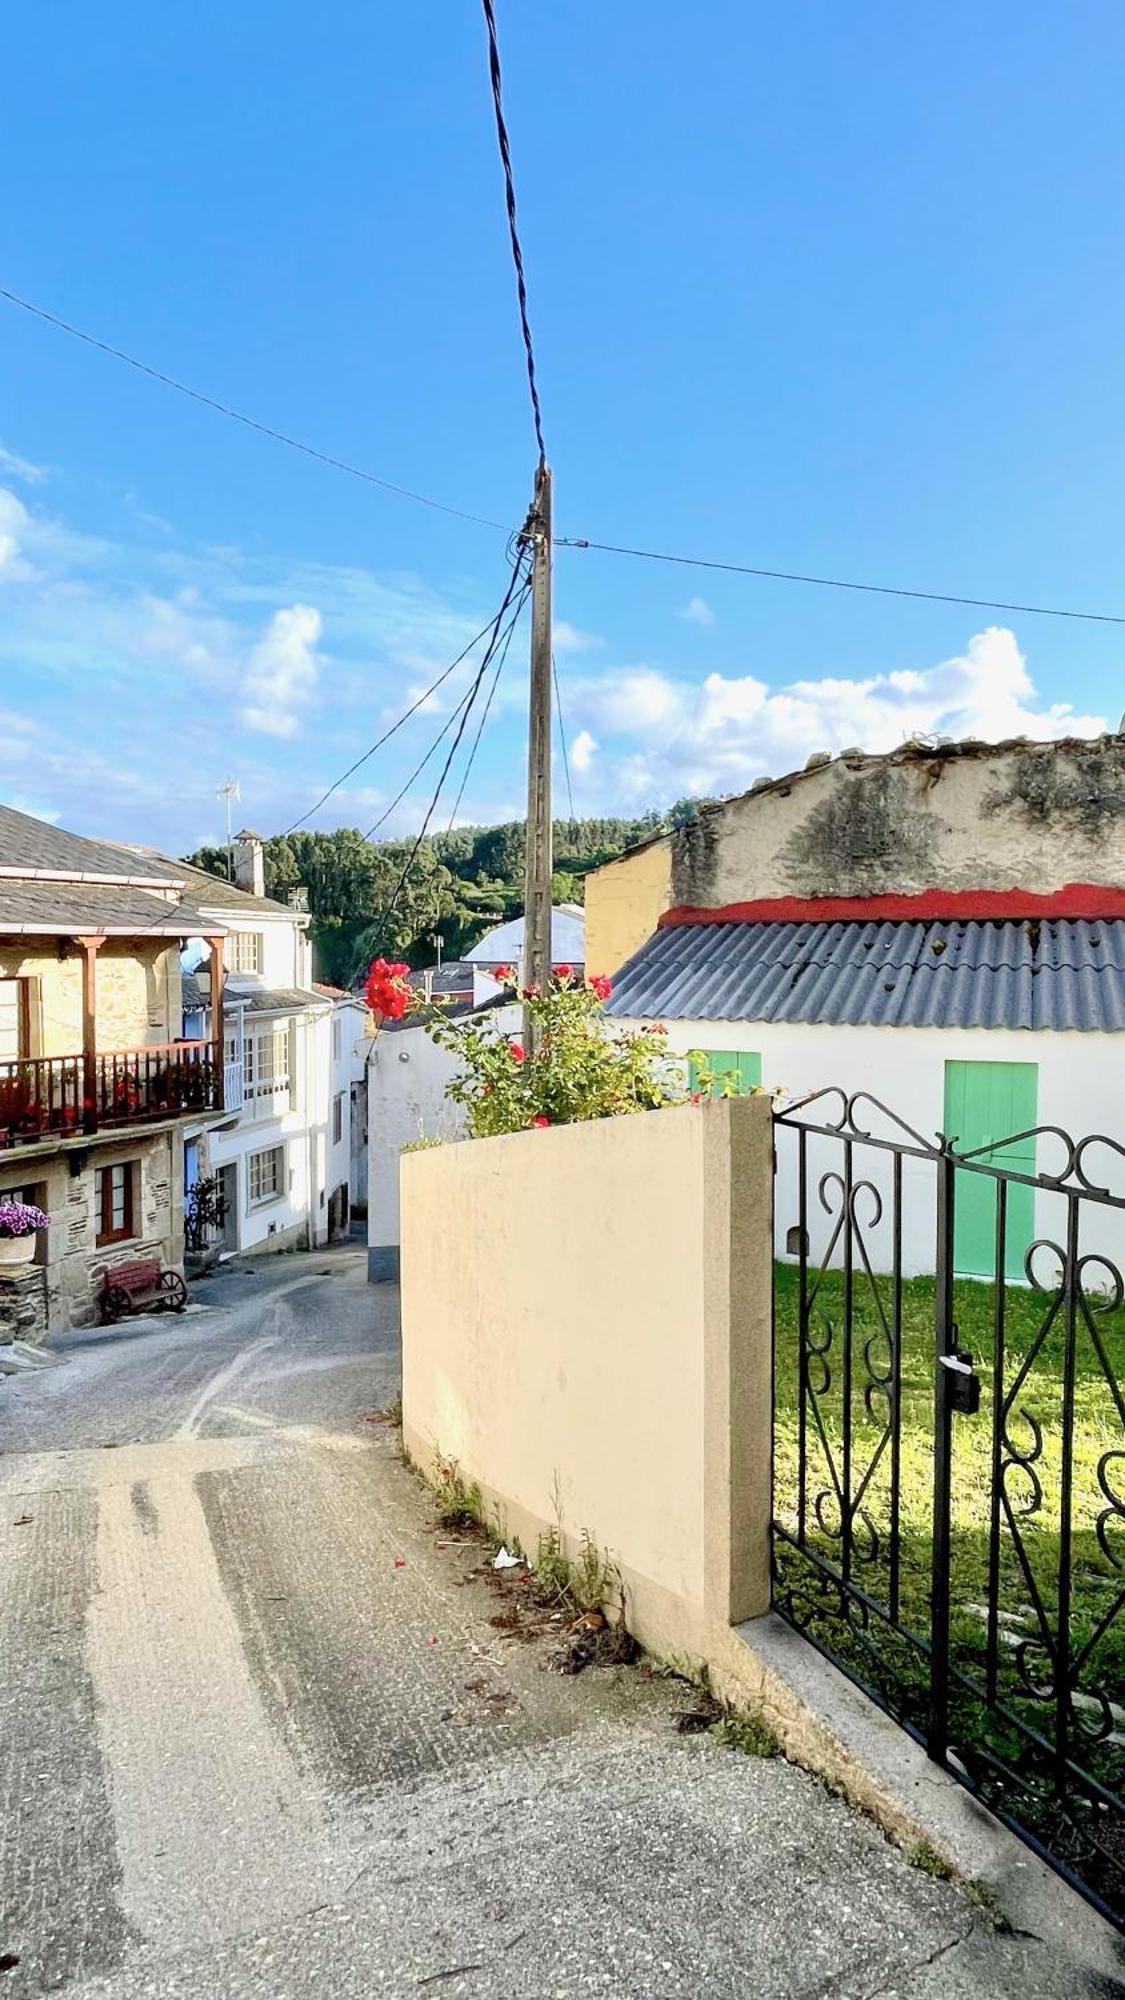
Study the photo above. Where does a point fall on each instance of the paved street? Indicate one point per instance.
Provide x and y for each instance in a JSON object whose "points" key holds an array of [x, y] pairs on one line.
{"points": [[258, 1736]]}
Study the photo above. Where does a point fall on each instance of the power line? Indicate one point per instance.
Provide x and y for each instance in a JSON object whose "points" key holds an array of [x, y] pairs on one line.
{"points": [[513, 227], [443, 732], [562, 735], [387, 734], [488, 705], [239, 416], [418, 768], [569, 542], [840, 583], [513, 582]]}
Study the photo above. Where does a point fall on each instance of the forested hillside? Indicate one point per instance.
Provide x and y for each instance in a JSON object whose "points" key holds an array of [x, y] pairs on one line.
{"points": [[458, 884]]}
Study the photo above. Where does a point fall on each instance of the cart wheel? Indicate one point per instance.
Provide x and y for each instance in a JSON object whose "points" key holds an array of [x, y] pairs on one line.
{"points": [[117, 1303], [173, 1291]]}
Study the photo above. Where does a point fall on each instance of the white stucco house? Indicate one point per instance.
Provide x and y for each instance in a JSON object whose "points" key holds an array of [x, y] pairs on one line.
{"points": [[283, 1151], [407, 1079], [942, 929]]}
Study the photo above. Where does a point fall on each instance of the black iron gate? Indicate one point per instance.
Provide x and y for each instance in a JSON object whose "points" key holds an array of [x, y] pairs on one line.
{"points": [[949, 1454]]}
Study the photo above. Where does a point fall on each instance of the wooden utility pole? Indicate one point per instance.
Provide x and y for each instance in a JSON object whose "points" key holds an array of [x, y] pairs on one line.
{"points": [[539, 862]]}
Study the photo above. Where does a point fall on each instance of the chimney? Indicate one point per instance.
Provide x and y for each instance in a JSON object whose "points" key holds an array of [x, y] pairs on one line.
{"points": [[249, 863]]}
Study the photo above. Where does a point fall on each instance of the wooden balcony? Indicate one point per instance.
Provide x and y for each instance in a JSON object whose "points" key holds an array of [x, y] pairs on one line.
{"points": [[70, 1096]]}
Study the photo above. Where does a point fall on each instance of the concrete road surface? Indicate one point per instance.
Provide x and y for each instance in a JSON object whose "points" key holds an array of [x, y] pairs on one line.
{"points": [[258, 1736]]}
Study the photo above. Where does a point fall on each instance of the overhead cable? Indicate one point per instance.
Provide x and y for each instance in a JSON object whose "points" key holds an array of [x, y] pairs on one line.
{"points": [[388, 733], [239, 416], [516, 579], [443, 732], [501, 658], [562, 735], [513, 227], [840, 583]]}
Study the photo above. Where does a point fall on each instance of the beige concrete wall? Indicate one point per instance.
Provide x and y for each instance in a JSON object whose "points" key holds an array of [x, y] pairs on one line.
{"points": [[138, 994], [586, 1321], [624, 901], [1034, 816], [74, 1263]]}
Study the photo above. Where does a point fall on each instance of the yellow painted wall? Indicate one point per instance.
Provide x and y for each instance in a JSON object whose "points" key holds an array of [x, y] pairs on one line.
{"points": [[624, 901], [586, 1318]]}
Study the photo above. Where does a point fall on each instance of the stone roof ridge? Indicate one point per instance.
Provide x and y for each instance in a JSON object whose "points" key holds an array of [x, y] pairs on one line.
{"points": [[921, 747]]}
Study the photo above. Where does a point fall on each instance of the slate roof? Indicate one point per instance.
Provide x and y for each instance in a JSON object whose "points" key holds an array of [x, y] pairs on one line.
{"points": [[29, 846], [1046, 973], [51, 908], [455, 976], [215, 894], [272, 1000]]}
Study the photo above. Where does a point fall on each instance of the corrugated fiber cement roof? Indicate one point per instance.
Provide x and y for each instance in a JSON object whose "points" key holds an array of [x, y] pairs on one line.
{"points": [[1035, 973]]}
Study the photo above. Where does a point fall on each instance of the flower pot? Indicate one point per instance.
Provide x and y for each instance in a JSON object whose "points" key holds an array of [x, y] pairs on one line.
{"points": [[15, 1250]]}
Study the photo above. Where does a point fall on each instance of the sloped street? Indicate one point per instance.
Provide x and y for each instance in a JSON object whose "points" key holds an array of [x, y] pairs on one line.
{"points": [[259, 1736]]}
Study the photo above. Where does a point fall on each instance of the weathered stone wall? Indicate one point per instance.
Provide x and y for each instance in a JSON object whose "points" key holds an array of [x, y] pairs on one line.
{"points": [[64, 1186], [1020, 815], [23, 1305], [137, 996]]}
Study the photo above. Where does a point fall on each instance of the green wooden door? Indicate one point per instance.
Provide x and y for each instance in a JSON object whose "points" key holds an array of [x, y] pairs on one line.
{"points": [[743, 1069], [985, 1102]]}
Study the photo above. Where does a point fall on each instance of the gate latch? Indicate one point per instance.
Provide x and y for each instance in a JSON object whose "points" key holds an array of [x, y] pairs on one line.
{"points": [[962, 1384]]}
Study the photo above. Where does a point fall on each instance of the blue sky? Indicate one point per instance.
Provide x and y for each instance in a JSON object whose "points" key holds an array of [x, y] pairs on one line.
{"points": [[813, 288]]}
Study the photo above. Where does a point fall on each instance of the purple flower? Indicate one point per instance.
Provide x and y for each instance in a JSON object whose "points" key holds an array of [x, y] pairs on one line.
{"points": [[20, 1218]]}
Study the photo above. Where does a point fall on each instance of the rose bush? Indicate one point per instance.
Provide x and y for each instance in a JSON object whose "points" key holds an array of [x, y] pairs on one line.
{"points": [[576, 1067]]}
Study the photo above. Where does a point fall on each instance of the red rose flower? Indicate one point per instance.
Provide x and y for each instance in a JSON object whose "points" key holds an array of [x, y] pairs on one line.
{"points": [[504, 974], [540, 1121], [563, 973], [518, 1052], [388, 991], [602, 986]]}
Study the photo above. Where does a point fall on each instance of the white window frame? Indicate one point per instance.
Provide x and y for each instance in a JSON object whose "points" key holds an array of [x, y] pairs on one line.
{"points": [[268, 1070], [246, 951], [280, 1187]]}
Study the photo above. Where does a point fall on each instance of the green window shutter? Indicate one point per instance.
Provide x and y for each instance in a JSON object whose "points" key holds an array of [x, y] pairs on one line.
{"points": [[743, 1067], [985, 1103]]}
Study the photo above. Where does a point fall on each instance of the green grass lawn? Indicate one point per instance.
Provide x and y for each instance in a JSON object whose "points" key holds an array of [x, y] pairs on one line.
{"points": [[879, 1652]]}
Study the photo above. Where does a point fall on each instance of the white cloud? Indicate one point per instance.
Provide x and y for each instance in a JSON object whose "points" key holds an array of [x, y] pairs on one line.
{"points": [[583, 751], [718, 734], [15, 467], [636, 698], [14, 522], [283, 671], [697, 611], [571, 639]]}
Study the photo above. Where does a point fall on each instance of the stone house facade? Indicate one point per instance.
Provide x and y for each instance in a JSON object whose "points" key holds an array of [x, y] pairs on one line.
{"points": [[96, 1074]]}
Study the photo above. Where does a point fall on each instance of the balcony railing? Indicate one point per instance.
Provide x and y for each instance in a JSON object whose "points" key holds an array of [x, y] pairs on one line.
{"points": [[232, 1086], [44, 1095]]}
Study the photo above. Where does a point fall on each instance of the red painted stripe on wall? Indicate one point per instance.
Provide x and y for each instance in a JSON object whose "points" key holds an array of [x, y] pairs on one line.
{"points": [[1077, 899]]}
